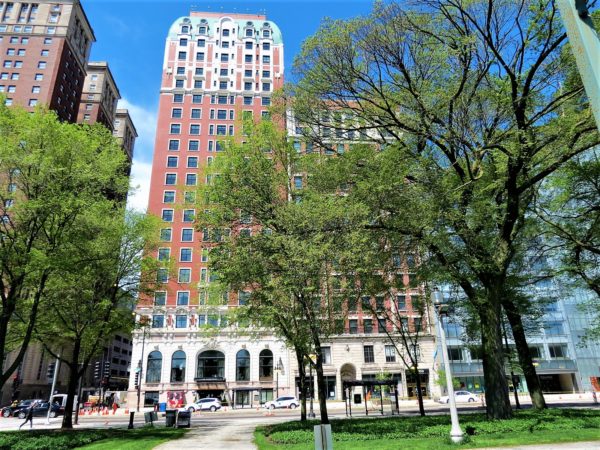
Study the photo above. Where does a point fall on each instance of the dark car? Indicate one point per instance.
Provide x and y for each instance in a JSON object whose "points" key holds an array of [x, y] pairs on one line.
{"points": [[40, 409], [10, 410]]}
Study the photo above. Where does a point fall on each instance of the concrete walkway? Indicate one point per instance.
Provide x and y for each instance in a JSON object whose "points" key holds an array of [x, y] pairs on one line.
{"points": [[593, 445], [210, 434]]}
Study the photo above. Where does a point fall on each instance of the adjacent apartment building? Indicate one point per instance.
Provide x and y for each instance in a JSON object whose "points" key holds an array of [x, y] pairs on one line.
{"points": [[44, 60]]}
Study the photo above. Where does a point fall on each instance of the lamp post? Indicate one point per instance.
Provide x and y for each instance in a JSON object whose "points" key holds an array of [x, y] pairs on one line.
{"points": [[143, 323], [456, 434], [311, 358], [278, 368]]}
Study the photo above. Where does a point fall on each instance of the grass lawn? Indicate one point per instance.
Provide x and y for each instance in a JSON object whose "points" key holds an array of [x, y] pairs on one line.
{"points": [[116, 438], [527, 427]]}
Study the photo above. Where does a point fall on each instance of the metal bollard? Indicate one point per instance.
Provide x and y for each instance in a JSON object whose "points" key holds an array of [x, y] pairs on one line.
{"points": [[130, 426]]}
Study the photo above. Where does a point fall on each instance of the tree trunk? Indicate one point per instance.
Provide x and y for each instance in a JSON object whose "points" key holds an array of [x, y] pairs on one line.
{"points": [[496, 386], [321, 387], [302, 382], [419, 392], [72, 386], [525, 361]]}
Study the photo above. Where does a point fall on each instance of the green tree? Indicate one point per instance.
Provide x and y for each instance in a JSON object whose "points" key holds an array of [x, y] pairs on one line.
{"points": [[93, 297], [287, 243], [51, 175], [441, 380], [469, 102]]}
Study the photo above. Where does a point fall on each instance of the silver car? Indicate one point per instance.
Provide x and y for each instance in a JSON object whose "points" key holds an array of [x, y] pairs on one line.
{"points": [[205, 404]]}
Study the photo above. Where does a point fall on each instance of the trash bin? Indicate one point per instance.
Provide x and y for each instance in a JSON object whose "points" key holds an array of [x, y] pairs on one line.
{"points": [[184, 419], [357, 399], [162, 407], [170, 417], [148, 417]]}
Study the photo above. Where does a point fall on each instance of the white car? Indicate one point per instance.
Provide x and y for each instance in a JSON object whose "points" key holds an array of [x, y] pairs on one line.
{"points": [[283, 402], [461, 397], [205, 404]]}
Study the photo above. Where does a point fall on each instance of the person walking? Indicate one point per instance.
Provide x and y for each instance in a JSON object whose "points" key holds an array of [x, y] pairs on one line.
{"points": [[29, 416]]}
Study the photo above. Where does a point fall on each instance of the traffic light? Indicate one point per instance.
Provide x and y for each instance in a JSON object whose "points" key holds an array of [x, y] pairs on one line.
{"points": [[137, 379], [106, 371], [97, 370], [50, 372]]}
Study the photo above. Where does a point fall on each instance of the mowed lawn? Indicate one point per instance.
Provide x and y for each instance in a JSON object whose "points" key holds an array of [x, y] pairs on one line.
{"points": [[432, 432], [144, 438]]}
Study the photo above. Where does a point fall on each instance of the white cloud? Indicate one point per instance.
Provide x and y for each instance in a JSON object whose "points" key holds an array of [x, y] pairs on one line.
{"points": [[144, 120], [140, 182]]}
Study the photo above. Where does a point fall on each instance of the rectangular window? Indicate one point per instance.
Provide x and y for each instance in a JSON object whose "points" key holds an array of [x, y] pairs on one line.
{"points": [[183, 298], [160, 298], [198, 84], [192, 162], [221, 130], [182, 56], [175, 128], [390, 354], [266, 59], [187, 235], [195, 129], [196, 98], [353, 326], [201, 43], [179, 83], [169, 197], [401, 302], [369, 355], [200, 56], [191, 179], [172, 161], [162, 275], [243, 297], [181, 71], [265, 101], [381, 325], [173, 144], [158, 321], [167, 215], [248, 86], [188, 215], [223, 85], [455, 353], [326, 353], [196, 113], [368, 326], [222, 114], [177, 98], [193, 146], [185, 255], [176, 113], [224, 57], [554, 328], [557, 351], [199, 71], [165, 234], [266, 87], [180, 321]]}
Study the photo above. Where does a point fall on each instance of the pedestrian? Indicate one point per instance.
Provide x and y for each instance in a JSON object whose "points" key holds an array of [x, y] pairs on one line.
{"points": [[29, 416]]}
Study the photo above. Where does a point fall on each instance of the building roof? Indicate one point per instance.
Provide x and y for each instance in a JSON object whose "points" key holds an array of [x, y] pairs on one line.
{"points": [[211, 20]]}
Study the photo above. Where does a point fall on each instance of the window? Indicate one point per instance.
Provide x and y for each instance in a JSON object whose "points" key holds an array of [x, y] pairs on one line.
{"points": [[242, 366], [223, 85], [224, 57], [194, 129], [222, 114], [200, 56], [266, 59], [12, 89], [160, 298], [165, 234], [177, 98], [178, 367], [221, 130], [201, 42], [184, 275], [47, 41], [183, 42], [211, 364], [164, 254], [368, 326], [535, 352], [175, 128], [154, 367], [176, 113], [183, 298], [172, 161], [266, 73], [326, 354], [38, 77], [192, 162], [265, 101], [249, 32], [180, 321], [10, 52], [554, 328], [401, 302], [381, 325], [265, 365], [557, 351], [173, 144], [167, 215], [180, 71], [4, 76], [196, 98], [369, 356], [15, 76], [202, 30], [266, 33], [187, 235], [182, 56], [44, 53], [266, 46], [243, 296], [188, 215], [196, 113], [185, 255], [158, 321], [455, 353], [170, 179], [353, 326], [41, 65], [191, 179], [248, 86], [390, 354], [247, 58]]}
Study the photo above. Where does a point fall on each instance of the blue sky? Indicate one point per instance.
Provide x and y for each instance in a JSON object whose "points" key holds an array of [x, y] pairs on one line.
{"points": [[130, 35]]}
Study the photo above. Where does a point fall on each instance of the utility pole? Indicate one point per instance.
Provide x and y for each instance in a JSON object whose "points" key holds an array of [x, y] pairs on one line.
{"points": [[54, 377], [585, 45]]}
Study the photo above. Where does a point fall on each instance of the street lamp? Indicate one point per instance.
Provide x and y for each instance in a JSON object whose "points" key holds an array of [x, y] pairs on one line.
{"points": [[311, 359], [278, 368], [456, 434], [143, 323]]}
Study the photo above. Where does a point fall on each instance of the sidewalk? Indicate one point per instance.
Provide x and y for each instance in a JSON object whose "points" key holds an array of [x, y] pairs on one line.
{"points": [[590, 445]]}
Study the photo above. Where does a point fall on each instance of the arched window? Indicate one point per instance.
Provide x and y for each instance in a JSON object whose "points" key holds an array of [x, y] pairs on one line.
{"points": [[211, 364], [178, 367], [265, 365], [154, 367], [242, 366]]}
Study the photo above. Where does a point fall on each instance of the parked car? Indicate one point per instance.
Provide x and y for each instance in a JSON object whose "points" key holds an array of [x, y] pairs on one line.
{"points": [[283, 402], [461, 397], [41, 409], [205, 404], [10, 410]]}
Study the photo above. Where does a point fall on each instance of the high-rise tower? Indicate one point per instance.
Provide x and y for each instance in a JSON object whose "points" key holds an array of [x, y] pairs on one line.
{"points": [[217, 68]]}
